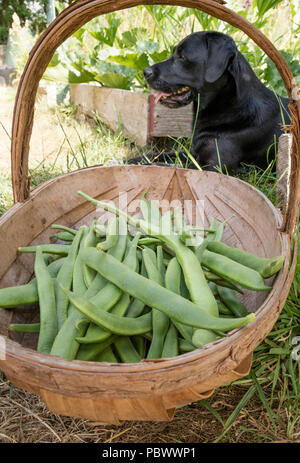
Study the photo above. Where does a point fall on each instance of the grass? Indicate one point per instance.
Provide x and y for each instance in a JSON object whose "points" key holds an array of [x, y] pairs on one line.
{"points": [[262, 407]]}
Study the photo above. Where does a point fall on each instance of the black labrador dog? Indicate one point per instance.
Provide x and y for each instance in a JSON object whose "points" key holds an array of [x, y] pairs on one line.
{"points": [[238, 116]]}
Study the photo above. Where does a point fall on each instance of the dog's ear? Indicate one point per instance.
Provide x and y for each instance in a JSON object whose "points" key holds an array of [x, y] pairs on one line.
{"points": [[221, 51]]}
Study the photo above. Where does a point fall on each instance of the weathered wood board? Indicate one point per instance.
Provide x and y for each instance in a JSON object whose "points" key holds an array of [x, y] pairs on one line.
{"points": [[116, 107], [140, 117], [283, 167], [164, 121]]}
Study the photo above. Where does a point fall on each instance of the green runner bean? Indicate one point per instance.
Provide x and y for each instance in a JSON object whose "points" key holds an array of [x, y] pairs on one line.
{"points": [[238, 273], [160, 321], [170, 348], [65, 344], [212, 277], [46, 293], [56, 226], [135, 309], [150, 211], [107, 355], [118, 252], [173, 283], [63, 236], [139, 341], [64, 278], [185, 346], [212, 229], [266, 267], [126, 350], [25, 327], [89, 240], [153, 294], [89, 352], [202, 337], [100, 228], [111, 235], [15, 296], [118, 325], [111, 297], [59, 249], [223, 309], [95, 333], [229, 298]]}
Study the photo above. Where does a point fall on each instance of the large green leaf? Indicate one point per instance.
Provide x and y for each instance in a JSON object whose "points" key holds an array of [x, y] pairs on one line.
{"points": [[124, 57], [79, 34], [54, 60], [159, 56], [114, 80], [130, 38], [102, 67], [113, 75], [108, 34], [206, 21], [146, 46], [272, 77], [61, 73], [265, 5]]}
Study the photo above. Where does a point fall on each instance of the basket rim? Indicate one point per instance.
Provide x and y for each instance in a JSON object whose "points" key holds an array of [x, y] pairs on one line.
{"points": [[15, 349]]}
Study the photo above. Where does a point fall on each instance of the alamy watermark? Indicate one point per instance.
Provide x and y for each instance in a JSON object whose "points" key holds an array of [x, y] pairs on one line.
{"points": [[188, 214]]}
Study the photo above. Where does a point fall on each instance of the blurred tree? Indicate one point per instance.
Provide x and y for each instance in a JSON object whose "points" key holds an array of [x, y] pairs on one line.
{"points": [[33, 11], [50, 11]]}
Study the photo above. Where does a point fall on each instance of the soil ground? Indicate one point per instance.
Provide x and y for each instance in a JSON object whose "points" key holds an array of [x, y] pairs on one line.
{"points": [[24, 418]]}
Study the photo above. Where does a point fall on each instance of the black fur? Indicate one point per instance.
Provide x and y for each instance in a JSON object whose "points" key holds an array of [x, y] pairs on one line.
{"points": [[238, 115]]}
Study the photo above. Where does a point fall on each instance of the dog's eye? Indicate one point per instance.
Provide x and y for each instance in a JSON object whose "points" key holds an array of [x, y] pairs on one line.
{"points": [[182, 57]]}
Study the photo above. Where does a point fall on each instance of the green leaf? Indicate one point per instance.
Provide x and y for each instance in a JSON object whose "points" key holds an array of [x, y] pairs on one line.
{"points": [[130, 38], [84, 76], [108, 34], [279, 351], [61, 73], [264, 401], [159, 56], [265, 5], [214, 412], [147, 46], [114, 80], [233, 416], [54, 60], [58, 73], [124, 57], [79, 34], [206, 21], [271, 76]]}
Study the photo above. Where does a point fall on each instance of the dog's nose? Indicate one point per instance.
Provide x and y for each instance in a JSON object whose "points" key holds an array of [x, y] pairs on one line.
{"points": [[148, 72]]}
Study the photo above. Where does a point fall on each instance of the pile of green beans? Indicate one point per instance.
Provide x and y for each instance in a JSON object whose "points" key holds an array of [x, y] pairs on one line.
{"points": [[137, 288]]}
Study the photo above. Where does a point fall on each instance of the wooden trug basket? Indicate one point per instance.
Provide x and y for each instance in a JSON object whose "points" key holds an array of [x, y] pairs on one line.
{"points": [[149, 390]]}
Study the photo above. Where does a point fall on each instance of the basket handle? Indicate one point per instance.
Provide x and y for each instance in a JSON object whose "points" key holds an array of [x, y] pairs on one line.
{"points": [[75, 16]]}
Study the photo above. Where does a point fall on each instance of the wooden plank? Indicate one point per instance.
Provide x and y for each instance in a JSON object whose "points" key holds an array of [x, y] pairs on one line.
{"points": [[116, 107], [176, 122], [283, 168], [139, 116], [83, 95]]}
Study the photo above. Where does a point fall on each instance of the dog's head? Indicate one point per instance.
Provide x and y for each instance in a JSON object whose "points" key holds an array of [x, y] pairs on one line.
{"points": [[198, 64]]}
